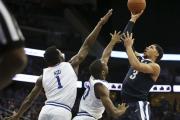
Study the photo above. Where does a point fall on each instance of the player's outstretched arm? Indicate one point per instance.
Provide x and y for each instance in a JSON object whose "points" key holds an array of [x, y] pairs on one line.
{"points": [[151, 68], [103, 93], [89, 41], [131, 22], [28, 100], [115, 38]]}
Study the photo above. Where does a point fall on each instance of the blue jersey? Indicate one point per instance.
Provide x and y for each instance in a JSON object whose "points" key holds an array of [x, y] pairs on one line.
{"points": [[136, 85]]}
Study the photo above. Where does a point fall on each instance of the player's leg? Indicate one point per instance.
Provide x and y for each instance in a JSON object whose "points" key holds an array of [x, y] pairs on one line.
{"points": [[132, 112], [144, 110], [137, 111]]}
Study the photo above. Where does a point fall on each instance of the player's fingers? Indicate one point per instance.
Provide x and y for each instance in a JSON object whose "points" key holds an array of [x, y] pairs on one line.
{"points": [[131, 35], [109, 12], [127, 107], [132, 41], [124, 35], [123, 104], [111, 34], [127, 34], [119, 33], [122, 38], [141, 12]]}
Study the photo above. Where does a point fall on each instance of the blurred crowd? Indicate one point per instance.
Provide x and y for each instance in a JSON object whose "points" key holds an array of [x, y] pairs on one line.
{"points": [[164, 106]]}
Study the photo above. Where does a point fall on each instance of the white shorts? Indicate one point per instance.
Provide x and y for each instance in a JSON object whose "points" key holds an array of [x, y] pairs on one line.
{"points": [[83, 118], [49, 112]]}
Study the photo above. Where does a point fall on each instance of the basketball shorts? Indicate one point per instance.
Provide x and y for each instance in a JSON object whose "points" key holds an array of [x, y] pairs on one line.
{"points": [[50, 112], [137, 111], [84, 116]]}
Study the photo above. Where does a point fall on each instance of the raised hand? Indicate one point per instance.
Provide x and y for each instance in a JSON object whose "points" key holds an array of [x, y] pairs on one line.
{"points": [[106, 17], [134, 17], [128, 39], [116, 37]]}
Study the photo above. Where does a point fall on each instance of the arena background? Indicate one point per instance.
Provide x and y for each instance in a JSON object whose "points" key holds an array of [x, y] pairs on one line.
{"points": [[66, 23]]}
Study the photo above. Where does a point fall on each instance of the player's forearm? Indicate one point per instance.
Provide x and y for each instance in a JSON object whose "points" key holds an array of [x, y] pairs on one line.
{"points": [[134, 62], [24, 107], [129, 26], [107, 52]]}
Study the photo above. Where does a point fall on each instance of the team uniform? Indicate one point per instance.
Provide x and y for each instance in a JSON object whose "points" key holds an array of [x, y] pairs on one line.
{"points": [[91, 108], [60, 86], [136, 86], [10, 34]]}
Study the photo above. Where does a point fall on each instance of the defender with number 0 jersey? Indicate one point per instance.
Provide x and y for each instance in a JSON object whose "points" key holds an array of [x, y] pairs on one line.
{"points": [[90, 105]]}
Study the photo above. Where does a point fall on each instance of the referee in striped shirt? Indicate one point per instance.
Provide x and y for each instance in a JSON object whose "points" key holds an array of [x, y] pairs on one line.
{"points": [[12, 55]]}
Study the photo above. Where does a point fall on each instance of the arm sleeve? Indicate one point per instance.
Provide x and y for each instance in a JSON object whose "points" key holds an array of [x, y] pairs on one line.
{"points": [[129, 27]]}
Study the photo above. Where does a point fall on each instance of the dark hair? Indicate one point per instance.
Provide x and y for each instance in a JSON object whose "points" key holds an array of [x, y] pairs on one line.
{"points": [[160, 51], [51, 56], [95, 68]]}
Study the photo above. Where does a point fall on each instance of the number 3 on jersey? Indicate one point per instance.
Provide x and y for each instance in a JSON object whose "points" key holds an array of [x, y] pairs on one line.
{"points": [[134, 74], [59, 82]]}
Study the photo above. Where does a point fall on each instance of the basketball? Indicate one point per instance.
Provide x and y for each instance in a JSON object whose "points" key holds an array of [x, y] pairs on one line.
{"points": [[136, 6]]}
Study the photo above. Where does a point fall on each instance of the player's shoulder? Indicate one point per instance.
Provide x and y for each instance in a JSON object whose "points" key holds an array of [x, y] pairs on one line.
{"points": [[65, 64], [102, 82]]}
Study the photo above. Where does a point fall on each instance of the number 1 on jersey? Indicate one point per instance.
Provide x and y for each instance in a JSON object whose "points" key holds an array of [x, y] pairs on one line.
{"points": [[59, 82]]}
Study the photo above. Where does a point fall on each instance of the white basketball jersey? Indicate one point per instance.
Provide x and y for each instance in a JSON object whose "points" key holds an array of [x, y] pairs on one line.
{"points": [[89, 103], [60, 85]]}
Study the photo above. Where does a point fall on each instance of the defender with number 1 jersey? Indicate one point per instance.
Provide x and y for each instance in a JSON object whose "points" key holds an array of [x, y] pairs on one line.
{"points": [[59, 83]]}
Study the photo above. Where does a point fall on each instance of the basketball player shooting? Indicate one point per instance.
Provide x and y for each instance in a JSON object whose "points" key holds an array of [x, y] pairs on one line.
{"points": [[140, 78], [96, 98], [59, 80]]}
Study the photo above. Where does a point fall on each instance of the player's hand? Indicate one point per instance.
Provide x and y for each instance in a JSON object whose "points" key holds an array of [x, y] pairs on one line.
{"points": [[13, 117], [106, 17], [122, 107], [128, 39], [116, 37], [134, 17]]}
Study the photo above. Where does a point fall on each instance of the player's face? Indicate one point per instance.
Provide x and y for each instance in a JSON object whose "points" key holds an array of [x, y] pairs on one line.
{"points": [[150, 51]]}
